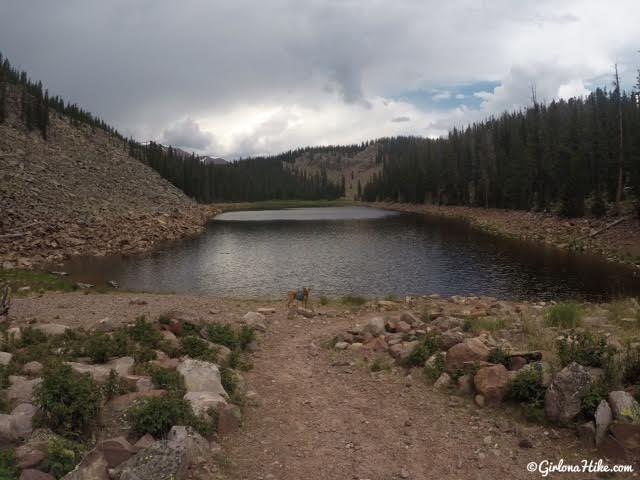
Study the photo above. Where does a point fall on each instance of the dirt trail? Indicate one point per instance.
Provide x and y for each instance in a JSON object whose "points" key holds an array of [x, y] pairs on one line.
{"points": [[320, 417]]}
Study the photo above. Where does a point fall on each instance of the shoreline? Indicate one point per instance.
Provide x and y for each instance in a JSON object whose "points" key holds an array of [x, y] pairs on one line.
{"points": [[615, 244]]}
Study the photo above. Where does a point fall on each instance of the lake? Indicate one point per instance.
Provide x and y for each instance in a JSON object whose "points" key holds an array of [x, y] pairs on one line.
{"points": [[359, 251]]}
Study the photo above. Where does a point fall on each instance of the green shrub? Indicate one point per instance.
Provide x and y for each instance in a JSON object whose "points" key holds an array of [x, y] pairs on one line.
{"points": [[8, 465], [429, 345], [196, 347], [499, 355], [324, 300], [222, 334], [587, 349], [483, 324], [166, 379], [391, 298], [98, 347], [564, 315], [631, 367], [62, 456], [356, 300], [143, 354], [380, 363], [433, 372], [589, 402], [425, 316], [144, 333], [114, 386], [30, 336], [156, 415], [239, 360], [527, 389], [68, 403], [246, 336]]}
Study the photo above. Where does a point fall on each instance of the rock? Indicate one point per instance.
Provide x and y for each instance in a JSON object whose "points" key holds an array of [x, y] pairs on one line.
{"points": [[562, 401], [470, 350], [387, 305], [144, 384], [201, 402], [162, 460], [22, 417], [266, 310], [8, 433], [92, 467], [51, 328], [32, 369], [612, 449], [123, 402], [115, 451], [479, 400], [377, 344], [229, 418], [14, 334], [137, 301], [5, 358], [21, 389], [450, 338], [627, 434], [255, 320], [491, 382], [603, 418], [196, 446], [341, 346], [122, 365], [544, 371], [375, 326], [106, 324], [624, 407], [516, 363], [30, 459], [201, 376], [587, 434], [145, 441], [528, 355], [170, 337], [525, 443], [402, 327], [401, 351], [305, 312], [410, 318], [447, 323], [444, 381], [33, 474], [465, 384], [100, 373]]}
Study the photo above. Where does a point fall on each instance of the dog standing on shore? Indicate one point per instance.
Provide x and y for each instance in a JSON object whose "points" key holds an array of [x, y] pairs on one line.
{"points": [[301, 295]]}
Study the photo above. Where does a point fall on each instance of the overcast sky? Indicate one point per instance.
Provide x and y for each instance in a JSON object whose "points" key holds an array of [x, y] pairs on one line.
{"points": [[236, 78]]}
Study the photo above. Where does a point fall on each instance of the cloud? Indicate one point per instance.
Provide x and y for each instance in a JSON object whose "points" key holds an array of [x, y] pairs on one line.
{"points": [[401, 119], [187, 135], [259, 75]]}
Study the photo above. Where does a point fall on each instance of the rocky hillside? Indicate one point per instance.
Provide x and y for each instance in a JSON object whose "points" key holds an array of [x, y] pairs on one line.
{"points": [[79, 192], [357, 168]]}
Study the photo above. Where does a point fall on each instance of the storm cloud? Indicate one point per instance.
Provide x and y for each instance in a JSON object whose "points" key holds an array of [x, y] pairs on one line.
{"points": [[248, 77]]}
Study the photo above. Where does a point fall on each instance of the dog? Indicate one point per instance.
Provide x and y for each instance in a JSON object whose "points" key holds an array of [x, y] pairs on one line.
{"points": [[301, 295]]}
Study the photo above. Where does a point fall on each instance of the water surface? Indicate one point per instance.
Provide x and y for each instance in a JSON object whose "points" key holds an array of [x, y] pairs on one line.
{"points": [[359, 250]]}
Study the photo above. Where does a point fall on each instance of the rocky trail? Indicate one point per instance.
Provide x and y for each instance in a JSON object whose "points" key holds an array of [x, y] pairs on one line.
{"points": [[320, 416]]}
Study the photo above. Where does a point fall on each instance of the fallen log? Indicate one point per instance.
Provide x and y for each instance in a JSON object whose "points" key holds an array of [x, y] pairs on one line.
{"points": [[603, 229]]}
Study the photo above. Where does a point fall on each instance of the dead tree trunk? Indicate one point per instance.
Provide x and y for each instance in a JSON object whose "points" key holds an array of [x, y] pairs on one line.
{"points": [[5, 300]]}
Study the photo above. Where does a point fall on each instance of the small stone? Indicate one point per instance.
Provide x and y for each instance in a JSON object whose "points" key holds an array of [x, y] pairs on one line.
{"points": [[404, 473], [525, 443], [443, 381], [341, 346], [145, 441], [32, 369], [5, 358], [33, 474], [479, 400]]}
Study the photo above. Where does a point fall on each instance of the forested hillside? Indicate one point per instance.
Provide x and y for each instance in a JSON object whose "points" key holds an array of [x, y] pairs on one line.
{"points": [[571, 157]]}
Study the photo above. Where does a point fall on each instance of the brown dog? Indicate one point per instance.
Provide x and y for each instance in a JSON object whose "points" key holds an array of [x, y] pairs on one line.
{"points": [[295, 295]]}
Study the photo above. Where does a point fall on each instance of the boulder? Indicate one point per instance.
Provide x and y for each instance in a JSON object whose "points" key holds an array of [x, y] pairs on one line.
{"points": [[627, 434], [170, 338], [201, 376], [375, 326], [22, 417], [201, 402], [145, 441], [447, 323], [516, 363], [92, 467], [33, 369], [443, 381], [115, 451], [470, 350], [21, 389], [104, 325], [402, 350], [144, 384], [123, 402], [8, 433], [491, 382], [410, 318], [562, 401], [450, 338], [196, 446], [30, 459], [229, 418], [624, 407], [255, 320], [162, 460], [603, 418], [99, 373], [33, 474], [5, 358], [122, 365], [465, 384]]}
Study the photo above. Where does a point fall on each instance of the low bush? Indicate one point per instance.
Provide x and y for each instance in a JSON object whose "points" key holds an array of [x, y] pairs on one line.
{"points": [[499, 355], [356, 300], [166, 379], [144, 333], [156, 415], [324, 300], [589, 402], [246, 336], [69, 403], [222, 334], [114, 386], [99, 348], [380, 363], [62, 456], [239, 360], [564, 315], [527, 389], [196, 347], [143, 354], [585, 348], [429, 345], [631, 367], [432, 372], [483, 324], [8, 465]]}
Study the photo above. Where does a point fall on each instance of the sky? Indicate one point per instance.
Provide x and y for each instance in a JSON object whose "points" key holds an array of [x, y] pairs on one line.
{"points": [[237, 78]]}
